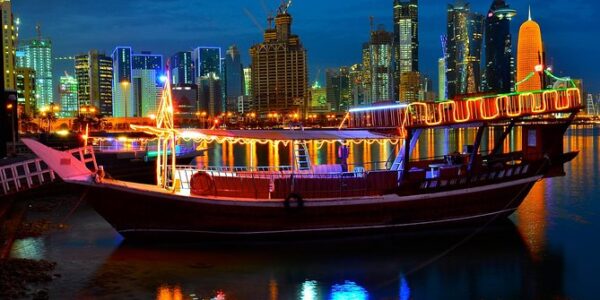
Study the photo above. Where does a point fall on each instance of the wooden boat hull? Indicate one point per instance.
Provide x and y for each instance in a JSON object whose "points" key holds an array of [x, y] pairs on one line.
{"points": [[142, 213]]}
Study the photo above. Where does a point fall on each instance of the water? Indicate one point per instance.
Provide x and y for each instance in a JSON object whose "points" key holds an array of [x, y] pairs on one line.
{"points": [[546, 250]]}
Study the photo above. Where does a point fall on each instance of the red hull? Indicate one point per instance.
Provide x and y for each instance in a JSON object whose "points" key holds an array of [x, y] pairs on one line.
{"points": [[141, 213]]}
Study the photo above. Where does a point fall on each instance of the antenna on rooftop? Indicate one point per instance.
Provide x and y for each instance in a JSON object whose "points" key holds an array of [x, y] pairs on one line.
{"points": [[38, 30]]}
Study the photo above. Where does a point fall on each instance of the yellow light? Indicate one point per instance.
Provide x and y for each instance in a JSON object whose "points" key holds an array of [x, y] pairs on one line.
{"points": [[93, 109], [122, 139], [229, 114], [63, 133], [9, 106], [539, 68], [152, 117], [84, 109]]}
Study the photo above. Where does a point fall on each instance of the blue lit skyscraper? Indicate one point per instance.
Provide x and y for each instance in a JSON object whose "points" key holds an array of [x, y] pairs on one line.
{"points": [[148, 61], [182, 68], [206, 60], [234, 78], [37, 55]]}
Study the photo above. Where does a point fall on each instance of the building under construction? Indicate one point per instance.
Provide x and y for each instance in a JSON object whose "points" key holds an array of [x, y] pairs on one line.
{"points": [[279, 70]]}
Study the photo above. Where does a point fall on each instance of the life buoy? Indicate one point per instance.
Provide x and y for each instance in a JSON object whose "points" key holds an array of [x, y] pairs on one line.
{"points": [[202, 184], [293, 200]]}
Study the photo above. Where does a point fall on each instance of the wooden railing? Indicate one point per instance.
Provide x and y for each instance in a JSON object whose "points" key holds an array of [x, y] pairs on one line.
{"points": [[24, 176]]}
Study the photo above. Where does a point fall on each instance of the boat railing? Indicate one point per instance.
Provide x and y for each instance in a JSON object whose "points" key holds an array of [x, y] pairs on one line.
{"points": [[85, 155], [24, 175], [280, 183]]}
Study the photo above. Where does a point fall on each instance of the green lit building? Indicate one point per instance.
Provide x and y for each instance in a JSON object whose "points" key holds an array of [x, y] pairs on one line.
{"points": [[37, 55], [68, 96]]}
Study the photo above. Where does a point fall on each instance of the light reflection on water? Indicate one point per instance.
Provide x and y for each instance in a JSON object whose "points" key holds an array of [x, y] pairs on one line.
{"points": [[549, 254]]}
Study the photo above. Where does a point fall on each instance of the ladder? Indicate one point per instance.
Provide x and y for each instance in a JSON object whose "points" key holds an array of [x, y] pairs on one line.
{"points": [[301, 157]]}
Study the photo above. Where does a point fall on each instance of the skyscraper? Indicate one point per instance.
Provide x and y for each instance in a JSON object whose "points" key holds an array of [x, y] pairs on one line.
{"points": [[67, 91], [26, 89], [209, 94], [234, 78], [37, 55], [276, 88], [147, 68], [410, 85], [146, 60], [380, 51], [499, 66], [9, 40], [94, 74], [123, 101], [406, 39], [531, 59], [337, 82], [406, 35], [206, 60], [465, 36], [182, 68], [442, 96]]}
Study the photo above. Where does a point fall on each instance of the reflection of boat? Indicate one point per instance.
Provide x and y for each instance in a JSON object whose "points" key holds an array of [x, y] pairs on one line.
{"points": [[380, 266], [307, 199]]}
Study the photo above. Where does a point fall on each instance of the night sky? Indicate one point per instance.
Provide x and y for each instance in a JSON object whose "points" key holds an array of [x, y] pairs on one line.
{"points": [[332, 30]]}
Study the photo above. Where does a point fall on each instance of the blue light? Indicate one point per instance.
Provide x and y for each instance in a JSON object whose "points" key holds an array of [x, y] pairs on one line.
{"points": [[404, 289], [375, 108], [348, 291], [162, 78]]}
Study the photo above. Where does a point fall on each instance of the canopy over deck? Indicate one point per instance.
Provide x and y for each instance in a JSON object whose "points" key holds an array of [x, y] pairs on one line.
{"points": [[285, 135]]}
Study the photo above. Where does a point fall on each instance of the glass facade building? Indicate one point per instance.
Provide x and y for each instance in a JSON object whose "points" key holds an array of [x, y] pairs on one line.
{"points": [[67, 90], [37, 55], [499, 63], [182, 68]]}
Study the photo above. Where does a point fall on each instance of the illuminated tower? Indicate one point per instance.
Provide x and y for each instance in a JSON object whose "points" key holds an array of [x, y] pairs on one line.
{"points": [[123, 101], [37, 54], [279, 69], [465, 37], [181, 68], [499, 63], [380, 63], [9, 40], [531, 60], [234, 77], [94, 74], [406, 39]]}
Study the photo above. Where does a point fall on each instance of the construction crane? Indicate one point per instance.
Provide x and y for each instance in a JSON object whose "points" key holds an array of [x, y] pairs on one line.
{"points": [[283, 8]]}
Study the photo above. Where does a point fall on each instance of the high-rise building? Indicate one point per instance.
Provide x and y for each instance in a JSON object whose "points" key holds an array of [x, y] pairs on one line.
{"points": [[339, 95], [182, 68], [380, 52], [67, 91], [26, 89], [144, 91], [358, 86], [406, 35], [531, 59], [94, 74], [442, 95], [234, 78], [499, 66], [410, 86], [9, 41], [146, 60], [206, 60], [465, 36], [185, 100], [209, 94], [146, 73], [123, 101], [276, 88], [37, 55], [406, 39], [247, 81]]}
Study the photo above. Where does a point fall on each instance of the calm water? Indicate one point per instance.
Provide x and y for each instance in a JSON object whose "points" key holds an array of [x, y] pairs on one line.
{"points": [[547, 250]]}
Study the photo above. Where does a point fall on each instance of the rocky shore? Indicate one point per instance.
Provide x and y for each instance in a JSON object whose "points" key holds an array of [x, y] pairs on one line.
{"points": [[25, 216]]}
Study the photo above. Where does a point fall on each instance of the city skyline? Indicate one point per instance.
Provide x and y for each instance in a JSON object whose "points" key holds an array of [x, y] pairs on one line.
{"points": [[329, 38]]}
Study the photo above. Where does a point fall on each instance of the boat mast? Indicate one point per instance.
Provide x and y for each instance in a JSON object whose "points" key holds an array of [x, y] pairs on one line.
{"points": [[165, 126]]}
